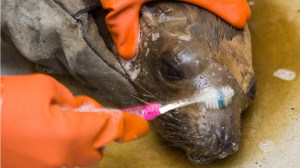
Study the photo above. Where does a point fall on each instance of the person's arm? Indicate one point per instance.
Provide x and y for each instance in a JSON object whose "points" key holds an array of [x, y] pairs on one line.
{"points": [[44, 125]]}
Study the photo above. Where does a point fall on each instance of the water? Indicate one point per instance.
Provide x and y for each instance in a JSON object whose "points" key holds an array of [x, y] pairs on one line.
{"points": [[271, 126]]}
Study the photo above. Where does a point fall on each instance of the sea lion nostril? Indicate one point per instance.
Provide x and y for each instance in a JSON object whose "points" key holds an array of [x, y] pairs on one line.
{"points": [[227, 138], [229, 149], [235, 146], [220, 135]]}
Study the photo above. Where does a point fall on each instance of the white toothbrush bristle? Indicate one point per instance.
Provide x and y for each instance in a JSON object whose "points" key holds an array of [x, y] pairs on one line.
{"points": [[217, 98], [213, 98]]}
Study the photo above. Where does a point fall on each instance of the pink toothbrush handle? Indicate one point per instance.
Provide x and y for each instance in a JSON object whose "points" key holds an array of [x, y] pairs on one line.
{"points": [[149, 111]]}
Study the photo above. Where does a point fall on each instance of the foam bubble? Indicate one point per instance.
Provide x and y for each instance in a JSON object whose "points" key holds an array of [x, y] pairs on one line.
{"points": [[266, 146], [285, 74]]}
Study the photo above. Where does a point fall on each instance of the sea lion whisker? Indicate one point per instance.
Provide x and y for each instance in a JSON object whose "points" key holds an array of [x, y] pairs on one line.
{"points": [[139, 99], [179, 143], [170, 118], [172, 124], [148, 96], [144, 89]]}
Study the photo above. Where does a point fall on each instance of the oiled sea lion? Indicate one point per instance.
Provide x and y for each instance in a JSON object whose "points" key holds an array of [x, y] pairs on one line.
{"points": [[182, 50]]}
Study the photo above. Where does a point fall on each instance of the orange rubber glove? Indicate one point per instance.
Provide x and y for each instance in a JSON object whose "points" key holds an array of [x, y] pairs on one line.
{"points": [[44, 125], [123, 19]]}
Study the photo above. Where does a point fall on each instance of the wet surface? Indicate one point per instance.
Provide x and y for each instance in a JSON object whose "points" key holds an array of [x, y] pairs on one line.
{"points": [[271, 125]]}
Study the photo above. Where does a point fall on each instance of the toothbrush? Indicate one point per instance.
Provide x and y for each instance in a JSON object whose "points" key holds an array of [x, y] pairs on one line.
{"points": [[213, 98]]}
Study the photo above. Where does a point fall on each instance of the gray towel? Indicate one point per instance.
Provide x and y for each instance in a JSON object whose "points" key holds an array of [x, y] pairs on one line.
{"points": [[61, 37]]}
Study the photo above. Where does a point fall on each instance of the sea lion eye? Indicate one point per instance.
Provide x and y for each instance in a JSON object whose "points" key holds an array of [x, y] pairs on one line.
{"points": [[169, 72]]}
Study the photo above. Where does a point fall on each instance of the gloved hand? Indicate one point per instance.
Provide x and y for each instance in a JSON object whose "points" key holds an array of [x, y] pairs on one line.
{"points": [[44, 125], [123, 19]]}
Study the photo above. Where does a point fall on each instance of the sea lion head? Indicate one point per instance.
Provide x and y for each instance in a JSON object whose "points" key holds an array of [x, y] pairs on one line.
{"points": [[184, 49]]}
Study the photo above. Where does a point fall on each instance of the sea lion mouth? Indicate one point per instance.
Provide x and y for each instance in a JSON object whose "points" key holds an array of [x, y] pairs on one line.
{"points": [[205, 135]]}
